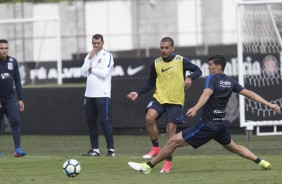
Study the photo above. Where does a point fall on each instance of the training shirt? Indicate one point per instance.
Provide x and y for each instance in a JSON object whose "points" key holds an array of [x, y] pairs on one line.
{"points": [[9, 73], [98, 82], [168, 76], [222, 86]]}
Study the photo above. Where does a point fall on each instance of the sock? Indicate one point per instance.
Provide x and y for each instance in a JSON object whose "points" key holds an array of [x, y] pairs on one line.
{"points": [[150, 164], [169, 158], [257, 160], [155, 143]]}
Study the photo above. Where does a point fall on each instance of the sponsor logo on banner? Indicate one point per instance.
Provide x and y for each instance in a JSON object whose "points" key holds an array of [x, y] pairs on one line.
{"points": [[140, 69], [132, 71]]}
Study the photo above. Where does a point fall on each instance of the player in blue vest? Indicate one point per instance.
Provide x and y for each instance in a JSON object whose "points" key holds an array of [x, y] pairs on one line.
{"points": [[213, 101], [9, 74]]}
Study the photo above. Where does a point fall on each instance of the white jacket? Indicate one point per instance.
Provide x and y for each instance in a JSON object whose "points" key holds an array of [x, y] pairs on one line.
{"points": [[99, 80]]}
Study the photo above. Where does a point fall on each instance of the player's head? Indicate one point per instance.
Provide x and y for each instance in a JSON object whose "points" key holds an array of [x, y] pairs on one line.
{"points": [[167, 47], [98, 42], [4, 47], [216, 64]]}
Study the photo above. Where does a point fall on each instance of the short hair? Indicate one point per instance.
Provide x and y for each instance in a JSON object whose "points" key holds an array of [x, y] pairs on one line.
{"points": [[98, 36], [218, 60], [168, 39], [3, 41]]}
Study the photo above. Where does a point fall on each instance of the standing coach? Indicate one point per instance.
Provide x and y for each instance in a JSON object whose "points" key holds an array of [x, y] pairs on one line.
{"points": [[97, 67]]}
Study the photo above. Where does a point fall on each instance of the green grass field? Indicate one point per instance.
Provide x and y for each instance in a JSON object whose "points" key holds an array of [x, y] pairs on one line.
{"points": [[210, 164]]}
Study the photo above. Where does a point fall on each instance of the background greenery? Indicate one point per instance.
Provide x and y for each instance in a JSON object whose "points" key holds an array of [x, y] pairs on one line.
{"points": [[210, 164]]}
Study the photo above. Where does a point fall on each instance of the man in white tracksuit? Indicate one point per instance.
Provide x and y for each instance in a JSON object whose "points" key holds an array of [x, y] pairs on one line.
{"points": [[97, 67]]}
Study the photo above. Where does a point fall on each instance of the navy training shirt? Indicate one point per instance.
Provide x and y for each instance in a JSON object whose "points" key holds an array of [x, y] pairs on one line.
{"points": [[222, 86], [9, 73]]}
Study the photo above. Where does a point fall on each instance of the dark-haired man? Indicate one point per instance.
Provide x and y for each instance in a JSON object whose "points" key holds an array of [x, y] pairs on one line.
{"points": [[168, 75], [97, 67], [9, 74]]}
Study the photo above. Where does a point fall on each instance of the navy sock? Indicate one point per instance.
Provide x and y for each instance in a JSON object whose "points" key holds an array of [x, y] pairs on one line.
{"points": [[150, 164], [169, 158], [257, 160]]}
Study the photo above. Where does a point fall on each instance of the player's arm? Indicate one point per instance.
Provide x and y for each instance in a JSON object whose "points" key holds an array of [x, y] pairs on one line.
{"points": [[188, 66], [202, 101], [256, 97], [17, 80], [151, 83], [106, 68], [86, 65]]}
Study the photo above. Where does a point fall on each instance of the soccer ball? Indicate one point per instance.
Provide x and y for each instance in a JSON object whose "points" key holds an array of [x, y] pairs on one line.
{"points": [[71, 168]]}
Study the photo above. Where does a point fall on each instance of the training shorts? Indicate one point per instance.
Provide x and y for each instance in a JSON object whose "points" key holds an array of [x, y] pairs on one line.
{"points": [[174, 112], [204, 131]]}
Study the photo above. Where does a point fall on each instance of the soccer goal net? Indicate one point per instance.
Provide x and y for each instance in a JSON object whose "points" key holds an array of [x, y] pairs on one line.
{"points": [[259, 26], [34, 40]]}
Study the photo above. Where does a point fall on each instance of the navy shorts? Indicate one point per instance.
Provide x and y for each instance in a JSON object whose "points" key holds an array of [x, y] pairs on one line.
{"points": [[174, 112], [204, 131]]}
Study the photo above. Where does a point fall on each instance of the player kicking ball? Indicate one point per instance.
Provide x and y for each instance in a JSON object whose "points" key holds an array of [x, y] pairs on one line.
{"points": [[217, 91]]}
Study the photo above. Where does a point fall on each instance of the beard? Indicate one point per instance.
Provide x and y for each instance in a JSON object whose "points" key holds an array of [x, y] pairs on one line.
{"points": [[165, 56]]}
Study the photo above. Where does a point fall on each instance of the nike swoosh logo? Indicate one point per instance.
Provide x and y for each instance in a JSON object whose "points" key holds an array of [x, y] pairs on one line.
{"points": [[163, 70], [132, 71]]}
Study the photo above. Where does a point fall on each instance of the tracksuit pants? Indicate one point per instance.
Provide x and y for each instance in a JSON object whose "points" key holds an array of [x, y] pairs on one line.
{"points": [[99, 108], [10, 108]]}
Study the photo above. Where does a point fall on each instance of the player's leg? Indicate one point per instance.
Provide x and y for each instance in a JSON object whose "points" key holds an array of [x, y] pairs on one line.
{"points": [[175, 142], [1, 115], [1, 118], [170, 132], [151, 126], [246, 153], [174, 117], [224, 138], [11, 108], [154, 111], [195, 136], [103, 107], [153, 133], [240, 150], [91, 115]]}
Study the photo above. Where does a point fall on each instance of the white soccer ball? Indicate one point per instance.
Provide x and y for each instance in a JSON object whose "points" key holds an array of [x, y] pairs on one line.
{"points": [[71, 167]]}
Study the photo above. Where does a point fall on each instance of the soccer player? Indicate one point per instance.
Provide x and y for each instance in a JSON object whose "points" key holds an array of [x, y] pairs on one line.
{"points": [[168, 75], [97, 67], [9, 74], [217, 91]]}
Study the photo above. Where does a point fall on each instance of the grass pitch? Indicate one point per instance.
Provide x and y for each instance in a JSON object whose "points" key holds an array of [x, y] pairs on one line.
{"points": [[210, 164]]}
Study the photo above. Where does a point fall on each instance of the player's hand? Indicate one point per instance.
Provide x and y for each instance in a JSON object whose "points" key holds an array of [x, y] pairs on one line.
{"points": [[132, 96], [191, 112], [92, 53], [21, 105], [187, 83], [275, 108]]}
